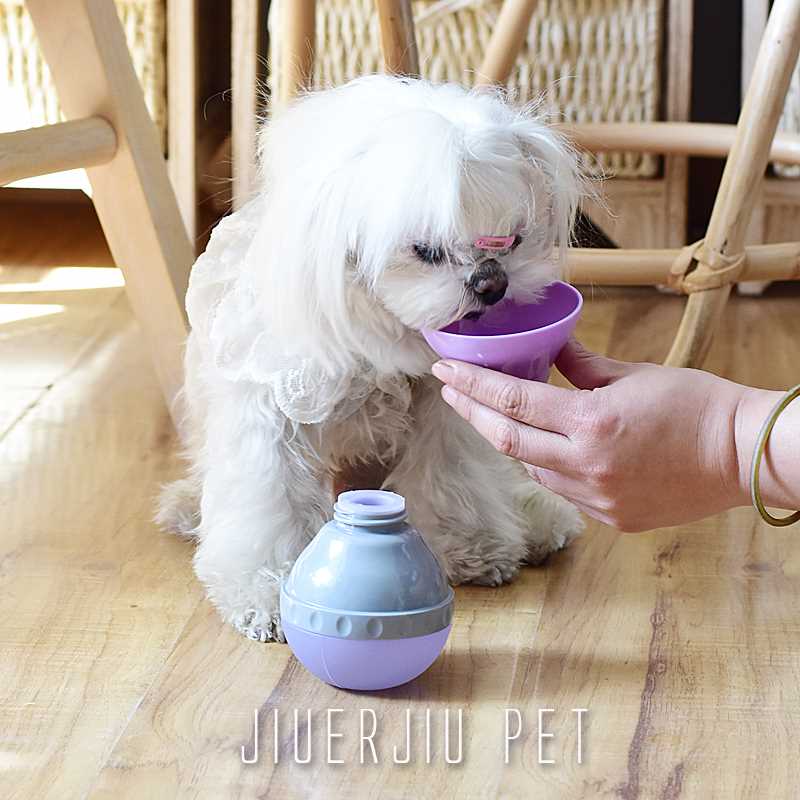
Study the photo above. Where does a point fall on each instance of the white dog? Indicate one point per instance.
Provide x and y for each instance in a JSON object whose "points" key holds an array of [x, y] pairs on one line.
{"points": [[305, 351]]}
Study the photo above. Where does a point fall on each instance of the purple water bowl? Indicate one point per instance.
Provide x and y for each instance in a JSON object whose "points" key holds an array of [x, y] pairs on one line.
{"points": [[519, 339]]}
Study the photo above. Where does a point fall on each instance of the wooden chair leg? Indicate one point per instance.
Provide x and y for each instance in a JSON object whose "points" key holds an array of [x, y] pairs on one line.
{"points": [[398, 40], [298, 25], [678, 90], [183, 94], [754, 20], [506, 41], [744, 172], [83, 42], [248, 34]]}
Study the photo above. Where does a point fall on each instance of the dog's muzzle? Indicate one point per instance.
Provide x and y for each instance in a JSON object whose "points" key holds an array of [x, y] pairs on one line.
{"points": [[489, 282]]}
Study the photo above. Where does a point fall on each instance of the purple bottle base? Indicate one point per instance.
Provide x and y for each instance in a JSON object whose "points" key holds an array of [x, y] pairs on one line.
{"points": [[365, 664]]}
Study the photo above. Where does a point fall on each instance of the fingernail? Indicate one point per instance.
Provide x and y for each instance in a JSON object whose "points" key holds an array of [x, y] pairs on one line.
{"points": [[443, 370], [449, 395]]}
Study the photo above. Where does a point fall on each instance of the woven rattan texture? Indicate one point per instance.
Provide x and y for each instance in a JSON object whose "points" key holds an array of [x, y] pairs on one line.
{"points": [[27, 78], [590, 60]]}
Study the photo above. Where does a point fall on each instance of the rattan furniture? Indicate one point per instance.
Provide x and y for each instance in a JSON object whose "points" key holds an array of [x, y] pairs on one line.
{"points": [[587, 60], [110, 131], [776, 215], [705, 270]]}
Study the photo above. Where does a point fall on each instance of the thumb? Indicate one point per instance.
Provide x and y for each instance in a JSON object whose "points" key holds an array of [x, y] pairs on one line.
{"points": [[587, 370]]}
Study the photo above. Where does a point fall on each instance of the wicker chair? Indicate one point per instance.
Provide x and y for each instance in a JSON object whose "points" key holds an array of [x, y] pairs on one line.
{"points": [[776, 215], [587, 60], [705, 270], [109, 130]]}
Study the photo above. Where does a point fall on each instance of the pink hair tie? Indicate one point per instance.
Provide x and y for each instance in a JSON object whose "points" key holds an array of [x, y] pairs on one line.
{"points": [[494, 243]]}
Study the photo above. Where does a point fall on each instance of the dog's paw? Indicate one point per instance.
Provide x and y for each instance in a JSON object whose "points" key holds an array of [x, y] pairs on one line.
{"points": [[568, 524], [250, 603], [555, 522], [260, 627], [497, 575], [478, 571], [179, 508]]}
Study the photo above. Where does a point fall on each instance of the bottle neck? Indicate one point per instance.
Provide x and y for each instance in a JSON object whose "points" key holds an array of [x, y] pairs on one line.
{"points": [[372, 509], [373, 525]]}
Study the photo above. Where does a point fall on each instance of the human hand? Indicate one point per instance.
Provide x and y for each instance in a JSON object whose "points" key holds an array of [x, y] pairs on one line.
{"points": [[636, 446]]}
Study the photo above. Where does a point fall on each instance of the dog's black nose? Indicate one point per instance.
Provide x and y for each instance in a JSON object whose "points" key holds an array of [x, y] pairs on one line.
{"points": [[491, 290], [489, 282]]}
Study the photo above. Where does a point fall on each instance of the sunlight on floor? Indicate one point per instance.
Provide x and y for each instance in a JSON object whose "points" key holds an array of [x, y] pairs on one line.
{"points": [[60, 279], [16, 312], [10, 760], [16, 282]]}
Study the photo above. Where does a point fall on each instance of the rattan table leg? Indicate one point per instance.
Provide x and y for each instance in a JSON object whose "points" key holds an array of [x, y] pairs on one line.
{"points": [[398, 40], [744, 171], [298, 20]]}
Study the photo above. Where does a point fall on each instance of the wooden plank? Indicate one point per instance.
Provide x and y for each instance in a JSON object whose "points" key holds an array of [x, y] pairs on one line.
{"points": [[89, 608], [74, 236], [84, 45], [48, 318]]}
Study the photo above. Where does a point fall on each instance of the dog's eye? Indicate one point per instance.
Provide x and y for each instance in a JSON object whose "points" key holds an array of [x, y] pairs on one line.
{"points": [[429, 254]]}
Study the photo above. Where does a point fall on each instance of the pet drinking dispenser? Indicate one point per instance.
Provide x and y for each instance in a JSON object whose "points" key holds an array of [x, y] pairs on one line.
{"points": [[367, 605]]}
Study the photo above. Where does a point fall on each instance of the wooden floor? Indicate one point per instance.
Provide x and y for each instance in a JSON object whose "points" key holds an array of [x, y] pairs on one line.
{"points": [[117, 680]]}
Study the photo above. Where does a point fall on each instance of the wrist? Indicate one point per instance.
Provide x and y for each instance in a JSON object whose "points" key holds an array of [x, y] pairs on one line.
{"points": [[721, 444], [753, 408]]}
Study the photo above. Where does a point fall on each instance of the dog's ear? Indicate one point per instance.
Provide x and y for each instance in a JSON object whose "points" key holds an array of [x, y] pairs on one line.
{"points": [[298, 259], [343, 187], [270, 290], [556, 169]]}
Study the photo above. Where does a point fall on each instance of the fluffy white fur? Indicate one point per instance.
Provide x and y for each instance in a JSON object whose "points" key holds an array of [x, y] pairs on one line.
{"points": [[305, 349]]}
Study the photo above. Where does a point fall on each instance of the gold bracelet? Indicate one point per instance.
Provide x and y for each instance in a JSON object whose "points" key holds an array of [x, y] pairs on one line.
{"points": [[761, 445]]}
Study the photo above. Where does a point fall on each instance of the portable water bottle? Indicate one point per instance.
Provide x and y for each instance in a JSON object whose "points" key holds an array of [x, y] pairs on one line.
{"points": [[367, 605]]}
